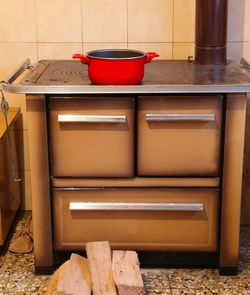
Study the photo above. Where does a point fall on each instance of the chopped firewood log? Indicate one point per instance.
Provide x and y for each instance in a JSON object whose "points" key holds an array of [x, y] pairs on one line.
{"points": [[99, 257], [75, 280], [126, 273], [52, 288]]}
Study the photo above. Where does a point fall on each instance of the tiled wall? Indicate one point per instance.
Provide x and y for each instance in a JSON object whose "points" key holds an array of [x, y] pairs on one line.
{"points": [[54, 29]]}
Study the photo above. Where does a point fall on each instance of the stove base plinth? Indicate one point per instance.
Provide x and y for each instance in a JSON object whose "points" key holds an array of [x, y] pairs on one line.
{"points": [[44, 270], [228, 270]]}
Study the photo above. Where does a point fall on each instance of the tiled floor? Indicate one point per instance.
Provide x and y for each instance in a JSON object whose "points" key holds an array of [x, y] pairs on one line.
{"points": [[17, 275]]}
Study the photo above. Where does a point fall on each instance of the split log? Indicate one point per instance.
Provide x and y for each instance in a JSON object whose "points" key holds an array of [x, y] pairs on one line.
{"points": [[99, 257], [52, 288], [126, 273], [75, 280]]}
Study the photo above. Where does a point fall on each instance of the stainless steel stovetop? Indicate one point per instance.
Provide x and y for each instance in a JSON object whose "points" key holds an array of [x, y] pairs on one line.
{"points": [[162, 76]]}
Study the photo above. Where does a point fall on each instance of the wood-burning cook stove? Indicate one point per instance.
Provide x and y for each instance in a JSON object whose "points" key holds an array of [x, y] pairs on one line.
{"points": [[155, 167]]}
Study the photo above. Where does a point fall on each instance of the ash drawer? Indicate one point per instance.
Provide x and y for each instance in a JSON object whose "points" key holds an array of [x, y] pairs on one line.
{"points": [[179, 136], [92, 137], [152, 219]]}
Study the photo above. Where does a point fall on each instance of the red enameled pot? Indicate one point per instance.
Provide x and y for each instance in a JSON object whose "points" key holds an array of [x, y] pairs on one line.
{"points": [[116, 66]]}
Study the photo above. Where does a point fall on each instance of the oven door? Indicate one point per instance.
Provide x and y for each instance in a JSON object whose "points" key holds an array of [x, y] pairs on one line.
{"points": [[92, 137], [179, 135], [137, 218]]}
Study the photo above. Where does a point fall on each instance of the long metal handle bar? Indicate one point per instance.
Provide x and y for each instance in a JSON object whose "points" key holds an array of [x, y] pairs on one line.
{"points": [[19, 70], [75, 206], [179, 117], [92, 118]]}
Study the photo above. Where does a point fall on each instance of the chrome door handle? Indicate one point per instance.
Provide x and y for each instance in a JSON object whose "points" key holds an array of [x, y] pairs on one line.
{"points": [[92, 206], [64, 118], [179, 117]]}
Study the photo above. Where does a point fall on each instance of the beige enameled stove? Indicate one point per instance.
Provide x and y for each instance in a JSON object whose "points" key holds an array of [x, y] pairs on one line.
{"points": [[155, 167]]}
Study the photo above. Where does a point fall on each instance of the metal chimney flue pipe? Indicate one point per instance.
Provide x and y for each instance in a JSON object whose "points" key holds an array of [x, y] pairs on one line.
{"points": [[211, 31]]}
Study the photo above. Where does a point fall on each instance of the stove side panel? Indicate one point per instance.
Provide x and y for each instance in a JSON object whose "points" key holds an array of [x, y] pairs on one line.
{"points": [[232, 182], [41, 210]]}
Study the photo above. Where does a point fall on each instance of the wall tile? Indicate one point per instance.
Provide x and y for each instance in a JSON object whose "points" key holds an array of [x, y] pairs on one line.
{"points": [[235, 51], [58, 21], [13, 54], [184, 20], [103, 45], [17, 21], [183, 50], [150, 20], [58, 50], [163, 49], [236, 11], [247, 21], [246, 51], [104, 20]]}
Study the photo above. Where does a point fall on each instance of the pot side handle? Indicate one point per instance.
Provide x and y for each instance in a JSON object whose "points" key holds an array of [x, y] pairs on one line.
{"points": [[150, 56], [84, 59]]}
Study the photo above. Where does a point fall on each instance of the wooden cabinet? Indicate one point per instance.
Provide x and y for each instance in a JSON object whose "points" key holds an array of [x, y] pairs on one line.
{"points": [[10, 188]]}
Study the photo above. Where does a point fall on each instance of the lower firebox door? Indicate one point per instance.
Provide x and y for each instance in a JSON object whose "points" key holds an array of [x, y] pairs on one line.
{"points": [[139, 219]]}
